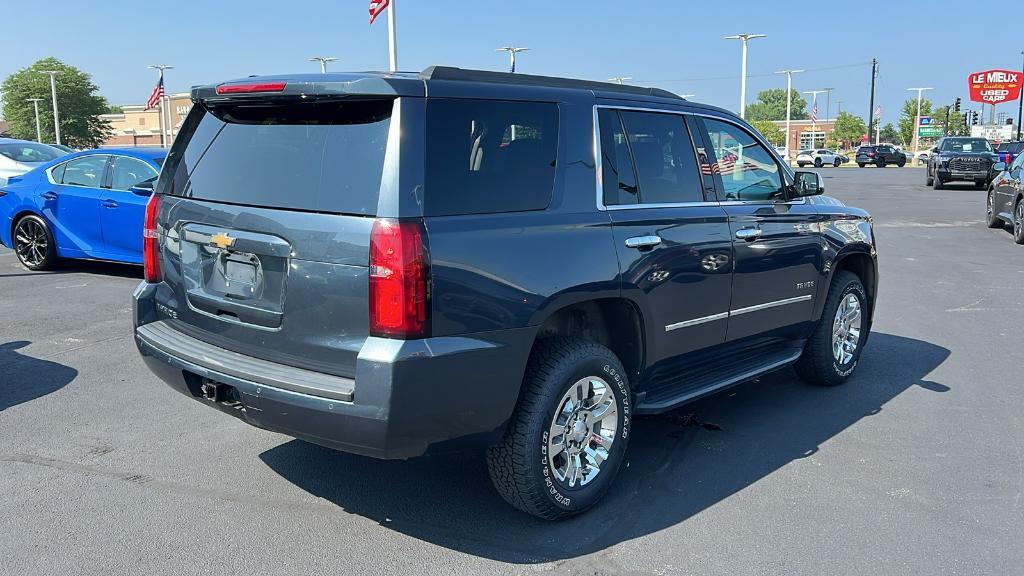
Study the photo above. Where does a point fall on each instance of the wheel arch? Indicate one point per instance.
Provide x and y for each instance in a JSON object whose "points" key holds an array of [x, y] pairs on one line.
{"points": [[18, 215], [858, 260]]}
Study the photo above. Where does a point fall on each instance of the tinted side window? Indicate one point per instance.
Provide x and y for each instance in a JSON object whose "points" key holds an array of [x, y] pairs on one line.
{"points": [[85, 171], [57, 173], [325, 157], [130, 171], [487, 156], [617, 176], [663, 155], [748, 171]]}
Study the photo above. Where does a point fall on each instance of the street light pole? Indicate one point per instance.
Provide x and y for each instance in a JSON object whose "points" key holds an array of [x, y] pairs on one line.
{"points": [[743, 68], [814, 119], [917, 121], [323, 60], [620, 79], [1020, 105], [789, 104], [35, 103], [53, 92], [512, 51], [164, 128]]}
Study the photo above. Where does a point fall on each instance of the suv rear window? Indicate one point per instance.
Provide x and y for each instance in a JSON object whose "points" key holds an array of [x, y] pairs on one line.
{"points": [[485, 156], [321, 157]]}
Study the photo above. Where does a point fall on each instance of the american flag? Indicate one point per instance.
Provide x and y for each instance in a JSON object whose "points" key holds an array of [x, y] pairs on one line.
{"points": [[376, 7], [157, 95], [814, 113]]}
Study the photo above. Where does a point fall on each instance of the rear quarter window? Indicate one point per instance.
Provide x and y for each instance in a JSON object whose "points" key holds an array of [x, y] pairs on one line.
{"points": [[487, 156]]}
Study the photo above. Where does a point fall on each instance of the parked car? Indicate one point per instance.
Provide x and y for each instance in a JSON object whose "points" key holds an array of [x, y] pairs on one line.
{"points": [[880, 156], [515, 261], [85, 205], [19, 156], [1006, 152], [1005, 204], [960, 158], [818, 158]]}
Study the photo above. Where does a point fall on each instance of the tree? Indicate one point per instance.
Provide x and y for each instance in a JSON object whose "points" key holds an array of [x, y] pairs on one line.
{"points": [[770, 131], [848, 129], [78, 103], [956, 126], [112, 109], [888, 134], [908, 118], [771, 105]]}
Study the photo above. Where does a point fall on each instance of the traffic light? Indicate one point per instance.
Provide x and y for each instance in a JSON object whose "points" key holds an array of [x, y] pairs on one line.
{"points": [[974, 118], [956, 105]]}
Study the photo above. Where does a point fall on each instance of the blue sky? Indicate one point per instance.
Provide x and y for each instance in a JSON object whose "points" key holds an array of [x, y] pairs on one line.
{"points": [[673, 44]]}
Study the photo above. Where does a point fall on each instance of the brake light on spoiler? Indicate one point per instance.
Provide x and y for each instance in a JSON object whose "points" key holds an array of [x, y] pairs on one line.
{"points": [[250, 88]]}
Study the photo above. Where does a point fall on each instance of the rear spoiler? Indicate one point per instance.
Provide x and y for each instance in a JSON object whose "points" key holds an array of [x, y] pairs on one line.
{"points": [[308, 87]]}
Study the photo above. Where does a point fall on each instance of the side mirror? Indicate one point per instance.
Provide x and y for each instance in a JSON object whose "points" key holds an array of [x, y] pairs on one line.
{"points": [[808, 184], [999, 166], [143, 188]]}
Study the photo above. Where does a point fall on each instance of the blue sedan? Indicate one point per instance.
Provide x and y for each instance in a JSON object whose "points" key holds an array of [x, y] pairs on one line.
{"points": [[85, 205]]}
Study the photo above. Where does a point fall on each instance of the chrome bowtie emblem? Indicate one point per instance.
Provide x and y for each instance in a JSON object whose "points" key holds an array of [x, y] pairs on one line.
{"points": [[222, 240]]}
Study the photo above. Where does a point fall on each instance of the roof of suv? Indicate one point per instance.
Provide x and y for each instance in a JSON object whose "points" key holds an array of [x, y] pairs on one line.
{"points": [[436, 80]]}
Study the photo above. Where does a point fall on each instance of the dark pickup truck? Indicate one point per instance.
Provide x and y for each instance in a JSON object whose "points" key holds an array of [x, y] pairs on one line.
{"points": [[963, 159], [400, 264]]}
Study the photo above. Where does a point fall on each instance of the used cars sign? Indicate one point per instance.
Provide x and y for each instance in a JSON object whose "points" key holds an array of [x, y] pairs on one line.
{"points": [[994, 86]]}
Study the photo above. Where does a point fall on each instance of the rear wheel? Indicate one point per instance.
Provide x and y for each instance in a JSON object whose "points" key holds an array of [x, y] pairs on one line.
{"points": [[860, 164], [567, 437], [33, 243], [836, 163], [1018, 222], [833, 350], [881, 163], [801, 164], [901, 163], [991, 219]]}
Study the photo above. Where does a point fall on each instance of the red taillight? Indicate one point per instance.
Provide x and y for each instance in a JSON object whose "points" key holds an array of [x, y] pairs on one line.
{"points": [[252, 87], [871, 153], [399, 274], [151, 241]]}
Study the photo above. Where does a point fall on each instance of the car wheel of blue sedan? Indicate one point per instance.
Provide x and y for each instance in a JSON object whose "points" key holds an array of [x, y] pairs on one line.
{"points": [[33, 243]]}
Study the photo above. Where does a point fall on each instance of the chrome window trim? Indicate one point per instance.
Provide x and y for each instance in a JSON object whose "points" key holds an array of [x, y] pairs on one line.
{"points": [[737, 312], [49, 176], [599, 172]]}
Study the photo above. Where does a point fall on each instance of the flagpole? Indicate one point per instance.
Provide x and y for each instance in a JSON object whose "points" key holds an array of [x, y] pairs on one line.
{"points": [[392, 44], [163, 127]]}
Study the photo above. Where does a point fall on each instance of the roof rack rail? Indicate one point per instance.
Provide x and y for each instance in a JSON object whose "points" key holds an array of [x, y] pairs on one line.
{"points": [[465, 75]]}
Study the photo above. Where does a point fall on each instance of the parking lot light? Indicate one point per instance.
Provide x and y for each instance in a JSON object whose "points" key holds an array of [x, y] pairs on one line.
{"points": [[743, 67], [512, 51], [789, 103], [917, 122], [53, 91], [35, 103], [323, 60]]}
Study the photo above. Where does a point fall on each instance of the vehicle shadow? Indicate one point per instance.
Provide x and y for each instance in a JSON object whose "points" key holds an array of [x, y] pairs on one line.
{"points": [[23, 378], [81, 267], [676, 467]]}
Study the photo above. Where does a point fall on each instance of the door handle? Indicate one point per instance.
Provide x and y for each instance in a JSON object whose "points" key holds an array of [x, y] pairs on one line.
{"points": [[643, 241], [50, 195], [108, 203], [748, 234]]}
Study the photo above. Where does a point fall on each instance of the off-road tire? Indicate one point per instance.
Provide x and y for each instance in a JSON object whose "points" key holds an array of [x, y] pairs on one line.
{"points": [[519, 466], [818, 365]]}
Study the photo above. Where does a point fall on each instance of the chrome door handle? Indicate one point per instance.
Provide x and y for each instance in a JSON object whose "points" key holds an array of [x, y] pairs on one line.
{"points": [[108, 203], [643, 241], [748, 234]]}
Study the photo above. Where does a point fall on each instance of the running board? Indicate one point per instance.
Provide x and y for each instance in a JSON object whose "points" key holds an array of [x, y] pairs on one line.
{"points": [[691, 385]]}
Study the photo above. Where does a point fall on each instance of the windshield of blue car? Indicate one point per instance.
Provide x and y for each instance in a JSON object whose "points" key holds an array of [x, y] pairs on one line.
{"points": [[29, 152], [967, 145]]}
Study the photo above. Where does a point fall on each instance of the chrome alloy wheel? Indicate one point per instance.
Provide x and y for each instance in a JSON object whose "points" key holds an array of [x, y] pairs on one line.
{"points": [[990, 206], [846, 329], [30, 242], [1018, 220], [582, 431]]}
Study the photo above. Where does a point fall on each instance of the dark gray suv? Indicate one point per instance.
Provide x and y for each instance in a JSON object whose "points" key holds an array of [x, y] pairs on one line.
{"points": [[401, 264]]}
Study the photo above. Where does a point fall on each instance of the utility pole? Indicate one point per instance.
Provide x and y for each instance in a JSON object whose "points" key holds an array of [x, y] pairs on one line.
{"points": [[789, 104], [35, 103], [743, 68], [1020, 105], [164, 128], [828, 102], [323, 60], [619, 79], [512, 51], [53, 91], [871, 107], [917, 122]]}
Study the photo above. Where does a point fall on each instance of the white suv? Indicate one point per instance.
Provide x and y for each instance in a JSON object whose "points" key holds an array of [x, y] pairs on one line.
{"points": [[818, 158]]}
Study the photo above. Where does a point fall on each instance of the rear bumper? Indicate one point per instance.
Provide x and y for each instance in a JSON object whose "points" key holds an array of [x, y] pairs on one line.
{"points": [[408, 397]]}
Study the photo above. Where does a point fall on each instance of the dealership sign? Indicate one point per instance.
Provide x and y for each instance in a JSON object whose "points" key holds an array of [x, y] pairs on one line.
{"points": [[994, 86]]}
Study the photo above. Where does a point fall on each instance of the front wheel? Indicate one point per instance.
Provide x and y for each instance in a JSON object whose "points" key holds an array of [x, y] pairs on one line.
{"points": [[1018, 222], [567, 436], [881, 163], [833, 350], [937, 182], [801, 164], [836, 163], [901, 163], [860, 164], [33, 243], [928, 179]]}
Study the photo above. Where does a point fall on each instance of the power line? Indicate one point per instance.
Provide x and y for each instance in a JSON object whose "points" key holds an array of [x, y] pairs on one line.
{"points": [[765, 74]]}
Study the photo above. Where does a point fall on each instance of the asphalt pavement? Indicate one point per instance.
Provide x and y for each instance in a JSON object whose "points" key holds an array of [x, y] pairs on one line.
{"points": [[915, 466]]}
